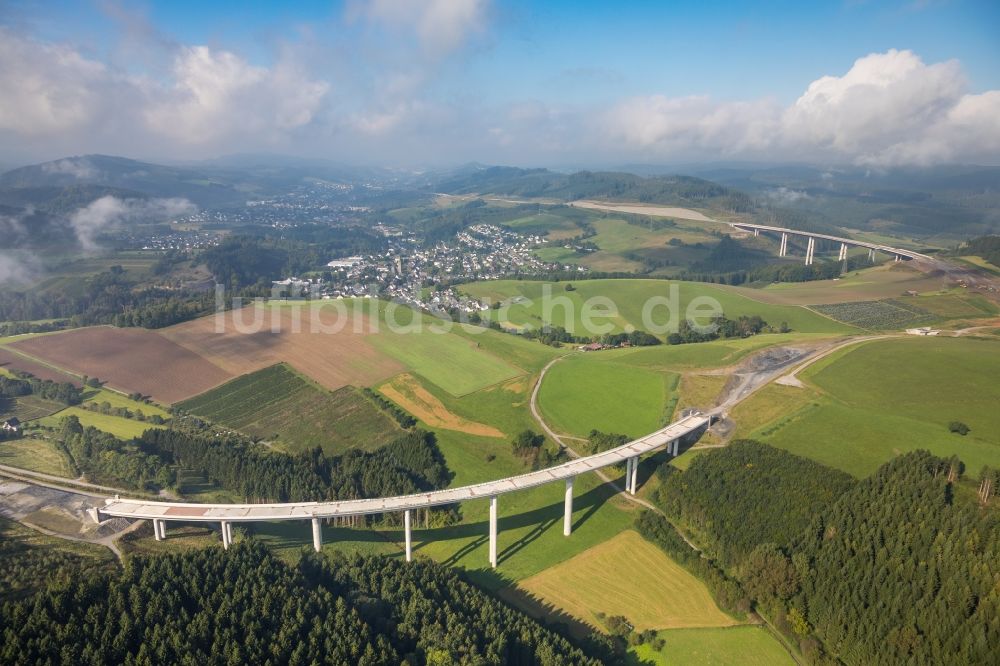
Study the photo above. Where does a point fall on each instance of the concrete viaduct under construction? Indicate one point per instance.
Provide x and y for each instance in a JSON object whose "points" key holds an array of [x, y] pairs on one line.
{"points": [[670, 438], [895, 252]]}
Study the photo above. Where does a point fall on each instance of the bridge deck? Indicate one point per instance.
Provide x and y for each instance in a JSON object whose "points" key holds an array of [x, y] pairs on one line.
{"points": [[849, 241], [307, 510]]}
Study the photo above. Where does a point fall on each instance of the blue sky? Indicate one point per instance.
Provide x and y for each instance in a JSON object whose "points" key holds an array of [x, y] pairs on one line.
{"points": [[447, 80]]}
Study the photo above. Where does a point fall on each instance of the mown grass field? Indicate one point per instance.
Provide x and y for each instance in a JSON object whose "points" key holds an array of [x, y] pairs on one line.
{"points": [[115, 399], [587, 392], [37, 455], [729, 646], [456, 364], [604, 579], [278, 404], [116, 425], [28, 407], [876, 400], [537, 303]]}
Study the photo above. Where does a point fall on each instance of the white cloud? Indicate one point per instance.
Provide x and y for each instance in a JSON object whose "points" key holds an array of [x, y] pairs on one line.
{"points": [[218, 94], [441, 26], [78, 167], [106, 212], [47, 88], [889, 108]]}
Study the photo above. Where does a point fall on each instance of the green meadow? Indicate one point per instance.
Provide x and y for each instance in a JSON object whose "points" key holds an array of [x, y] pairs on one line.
{"points": [[722, 646], [619, 305], [587, 392], [116, 425], [876, 400]]}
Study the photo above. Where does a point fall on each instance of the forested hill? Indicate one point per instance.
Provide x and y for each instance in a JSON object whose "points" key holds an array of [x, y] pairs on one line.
{"points": [[674, 190], [898, 568], [246, 606]]}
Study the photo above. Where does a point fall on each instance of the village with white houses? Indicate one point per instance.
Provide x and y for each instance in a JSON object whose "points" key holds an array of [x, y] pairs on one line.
{"points": [[422, 276]]}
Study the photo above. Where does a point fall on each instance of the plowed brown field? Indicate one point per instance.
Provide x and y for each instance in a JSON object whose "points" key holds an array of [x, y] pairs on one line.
{"points": [[12, 361], [129, 359], [333, 359]]}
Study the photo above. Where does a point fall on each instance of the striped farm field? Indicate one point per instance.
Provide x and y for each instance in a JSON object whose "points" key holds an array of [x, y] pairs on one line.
{"points": [[605, 579], [277, 403]]}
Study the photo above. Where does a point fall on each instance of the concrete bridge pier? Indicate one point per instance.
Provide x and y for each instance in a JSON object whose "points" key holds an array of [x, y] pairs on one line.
{"points": [[810, 251], [675, 448], [159, 529], [631, 474], [227, 535], [408, 536], [871, 254], [843, 252], [756, 232], [568, 509], [897, 260], [317, 535], [493, 531], [784, 245]]}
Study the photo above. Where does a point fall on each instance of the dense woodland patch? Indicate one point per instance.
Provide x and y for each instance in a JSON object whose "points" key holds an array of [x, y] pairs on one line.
{"points": [[897, 568], [247, 606]]}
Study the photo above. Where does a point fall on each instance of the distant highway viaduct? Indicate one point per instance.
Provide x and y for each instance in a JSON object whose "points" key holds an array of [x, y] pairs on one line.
{"points": [[898, 253], [671, 437]]}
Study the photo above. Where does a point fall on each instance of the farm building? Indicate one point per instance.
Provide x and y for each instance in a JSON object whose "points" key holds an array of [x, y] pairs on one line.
{"points": [[12, 424]]}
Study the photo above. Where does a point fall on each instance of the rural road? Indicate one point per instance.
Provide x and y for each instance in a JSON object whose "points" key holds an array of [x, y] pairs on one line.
{"points": [[755, 372]]}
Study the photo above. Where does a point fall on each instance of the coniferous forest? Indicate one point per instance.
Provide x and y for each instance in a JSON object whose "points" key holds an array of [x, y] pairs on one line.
{"points": [[897, 568], [247, 606]]}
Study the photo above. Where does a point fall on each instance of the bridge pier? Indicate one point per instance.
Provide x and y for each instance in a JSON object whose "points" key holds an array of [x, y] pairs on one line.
{"points": [[810, 251], [317, 535], [159, 529], [408, 535], [568, 508], [871, 254], [897, 260], [493, 531], [843, 252], [631, 474], [756, 232], [784, 245], [675, 448], [227, 535]]}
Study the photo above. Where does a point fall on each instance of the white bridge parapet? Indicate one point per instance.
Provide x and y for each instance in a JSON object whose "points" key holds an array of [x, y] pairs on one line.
{"points": [[897, 253], [226, 514]]}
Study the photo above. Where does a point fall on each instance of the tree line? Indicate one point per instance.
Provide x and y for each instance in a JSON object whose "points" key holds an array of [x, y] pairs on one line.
{"points": [[896, 568], [409, 464], [23, 383], [247, 606]]}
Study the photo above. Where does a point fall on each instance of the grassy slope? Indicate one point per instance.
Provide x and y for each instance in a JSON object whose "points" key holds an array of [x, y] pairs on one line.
{"points": [[116, 399], [729, 646], [882, 398], [116, 425], [278, 403], [628, 297], [602, 579], [591, 391], [38, 455]]}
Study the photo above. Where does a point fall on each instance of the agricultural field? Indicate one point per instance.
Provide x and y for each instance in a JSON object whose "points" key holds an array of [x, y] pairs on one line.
{"points": [[728, 646], [37, 455], [9, 360], [877, 315], [619, 304], [870, 402], [604, 579], [278, 404], [128, 359], [117, 400], [889, 280], [457, 365], [408, 393], [28, 407], [593, 392], [119, 427]]}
